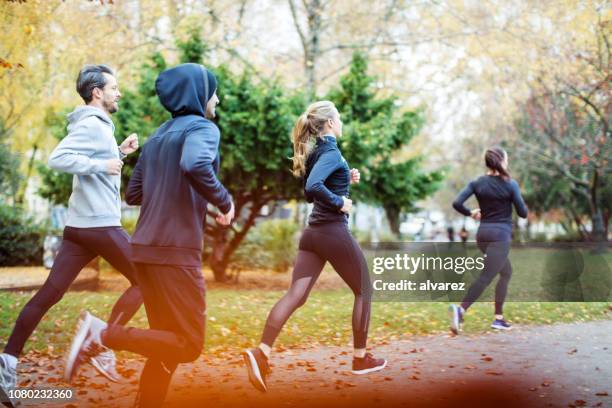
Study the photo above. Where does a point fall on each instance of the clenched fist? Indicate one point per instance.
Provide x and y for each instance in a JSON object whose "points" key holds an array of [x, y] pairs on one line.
{"points": [[130, 144], [355, 176], [113, 167]]}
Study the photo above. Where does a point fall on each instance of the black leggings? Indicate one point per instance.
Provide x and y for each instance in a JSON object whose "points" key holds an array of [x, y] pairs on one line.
{"points": [[79, 247], [321, 243], [494, 241]]}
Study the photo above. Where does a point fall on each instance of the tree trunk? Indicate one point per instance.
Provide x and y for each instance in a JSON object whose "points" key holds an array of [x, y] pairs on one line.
{"points": [[20, 198], [393, 216], [598, 230], [310, 39], [217, 256], [223, 246]]}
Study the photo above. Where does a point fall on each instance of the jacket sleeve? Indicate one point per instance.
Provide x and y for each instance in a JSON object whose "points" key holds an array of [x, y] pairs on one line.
{"points": [[517, 200], [73, 154], [198, 164], [315, 184], [462, 197], [133, 194]]}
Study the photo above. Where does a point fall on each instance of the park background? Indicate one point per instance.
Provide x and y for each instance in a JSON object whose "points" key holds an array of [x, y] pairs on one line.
{"points": [[423, 88]]}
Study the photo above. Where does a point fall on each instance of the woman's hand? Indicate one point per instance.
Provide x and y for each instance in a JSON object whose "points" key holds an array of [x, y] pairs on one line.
{"points": [[476, 214], [348, 205], [355, 176]]}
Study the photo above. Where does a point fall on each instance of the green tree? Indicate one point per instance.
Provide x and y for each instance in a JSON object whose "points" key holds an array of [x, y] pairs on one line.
{"points": [[140, 111], [56, 186], [375, 135], [255, 120], [9, 166]]}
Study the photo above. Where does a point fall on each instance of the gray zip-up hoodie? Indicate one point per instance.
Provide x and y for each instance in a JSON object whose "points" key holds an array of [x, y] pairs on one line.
{"points": [[90, 143]]}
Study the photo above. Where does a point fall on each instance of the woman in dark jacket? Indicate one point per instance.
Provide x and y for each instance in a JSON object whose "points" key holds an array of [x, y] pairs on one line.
{"points": [[326, 177], [496, 193]]}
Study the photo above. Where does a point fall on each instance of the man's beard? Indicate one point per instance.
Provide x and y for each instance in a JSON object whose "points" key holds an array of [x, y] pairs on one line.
{"points": [[110, 107]]}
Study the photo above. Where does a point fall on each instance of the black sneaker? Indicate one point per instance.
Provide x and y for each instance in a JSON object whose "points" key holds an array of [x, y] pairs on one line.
{"points": [[501, 324], [258, 368], [368, 364]]}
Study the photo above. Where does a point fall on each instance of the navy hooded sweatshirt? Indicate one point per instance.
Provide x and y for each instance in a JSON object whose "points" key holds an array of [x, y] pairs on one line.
{"points": [[175, 176]]}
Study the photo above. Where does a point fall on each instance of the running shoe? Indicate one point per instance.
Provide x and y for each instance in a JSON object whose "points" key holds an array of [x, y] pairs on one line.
{"points": [[8, 379], [368, 364], [258, 368], [86, 344], [456, 318], [501, 324], [106, 363]]}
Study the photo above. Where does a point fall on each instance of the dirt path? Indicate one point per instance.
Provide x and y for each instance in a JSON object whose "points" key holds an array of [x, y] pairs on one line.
{"points": [[562, 365]]}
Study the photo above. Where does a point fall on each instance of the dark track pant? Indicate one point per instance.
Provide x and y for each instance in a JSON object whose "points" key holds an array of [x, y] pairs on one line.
{"points": [[494, 241], [79, 247], [174, 298], [321, 243]]}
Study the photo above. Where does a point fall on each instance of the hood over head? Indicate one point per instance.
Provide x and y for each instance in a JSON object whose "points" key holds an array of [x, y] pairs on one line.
{"points": [[186, 89]]}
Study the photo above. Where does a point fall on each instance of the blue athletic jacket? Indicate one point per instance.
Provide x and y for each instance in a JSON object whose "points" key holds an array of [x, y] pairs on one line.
{"points": [[326, 181], [175, 176]]}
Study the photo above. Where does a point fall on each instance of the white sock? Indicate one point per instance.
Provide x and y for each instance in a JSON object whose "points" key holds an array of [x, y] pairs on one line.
{"points": [[359, 353], [265, 349], [499, 317], [11, 360]]}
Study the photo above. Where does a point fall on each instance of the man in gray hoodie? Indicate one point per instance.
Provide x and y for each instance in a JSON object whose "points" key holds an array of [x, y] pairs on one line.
{"points": [[93, 228]]}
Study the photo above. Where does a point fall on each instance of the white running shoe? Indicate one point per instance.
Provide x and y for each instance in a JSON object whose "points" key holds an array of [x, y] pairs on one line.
{"points": [[8, 380], [106, 363], [86, 344]]}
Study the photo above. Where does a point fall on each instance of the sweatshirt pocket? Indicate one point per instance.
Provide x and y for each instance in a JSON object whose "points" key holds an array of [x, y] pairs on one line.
{"points": [[95, 196]]}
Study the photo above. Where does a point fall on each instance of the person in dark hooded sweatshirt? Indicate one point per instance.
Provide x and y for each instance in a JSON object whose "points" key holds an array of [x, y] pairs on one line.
{"points": [[173, 181]]}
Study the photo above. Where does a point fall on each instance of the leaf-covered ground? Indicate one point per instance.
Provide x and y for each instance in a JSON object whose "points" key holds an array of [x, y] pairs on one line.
{"points": [[555, 356], [562, 365]]}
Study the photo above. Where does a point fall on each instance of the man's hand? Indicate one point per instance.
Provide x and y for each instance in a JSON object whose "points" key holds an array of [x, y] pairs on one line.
{"points": [[355, 176], [226, 219], [113, 167], [476, 214], [130, 144], [348, 205]]}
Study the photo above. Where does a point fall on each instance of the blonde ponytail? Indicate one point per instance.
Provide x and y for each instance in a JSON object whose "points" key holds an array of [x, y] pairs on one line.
{"points": [[309, 125]]}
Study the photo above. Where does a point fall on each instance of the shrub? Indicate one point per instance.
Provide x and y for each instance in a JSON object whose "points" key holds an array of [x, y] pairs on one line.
{"points": [[271, 244], [21, 239]]}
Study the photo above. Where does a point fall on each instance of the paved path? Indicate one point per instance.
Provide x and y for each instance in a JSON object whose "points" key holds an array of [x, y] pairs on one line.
{"points": [[561, 365]]}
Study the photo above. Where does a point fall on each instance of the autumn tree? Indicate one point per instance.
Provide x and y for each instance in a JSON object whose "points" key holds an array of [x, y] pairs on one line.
{"points": [[375, 135]]}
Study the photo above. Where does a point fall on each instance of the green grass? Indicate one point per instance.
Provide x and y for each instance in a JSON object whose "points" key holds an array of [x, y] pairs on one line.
{"points": [[236, 318]]}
